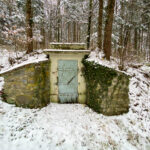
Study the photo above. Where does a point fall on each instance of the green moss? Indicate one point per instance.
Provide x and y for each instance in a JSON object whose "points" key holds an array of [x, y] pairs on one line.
{"points": [[27, 86], [101, 93], [95, 75], [41, 80]]}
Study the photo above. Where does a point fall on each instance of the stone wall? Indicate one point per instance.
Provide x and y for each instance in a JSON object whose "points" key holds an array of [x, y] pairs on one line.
{"points": [[107, 89], [28, 86]]}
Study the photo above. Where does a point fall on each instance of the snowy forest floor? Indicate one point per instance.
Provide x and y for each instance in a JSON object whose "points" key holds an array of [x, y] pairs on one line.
{"points": [[75, 126]]}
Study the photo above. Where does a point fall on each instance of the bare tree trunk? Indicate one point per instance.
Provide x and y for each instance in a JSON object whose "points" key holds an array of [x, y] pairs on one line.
{"points": [[58, 22], [74, 31], [50, 33], [141, 47], [135, 38], [148, 43], [79, 32], [62, 27], [69, 32], [29, 22], [100, 24], [139, 39], [89, 24], [121, 38], [108, 29], [43, 40]]}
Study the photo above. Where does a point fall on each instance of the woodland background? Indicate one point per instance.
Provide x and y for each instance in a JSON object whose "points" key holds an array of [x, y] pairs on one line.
{"points": [[119, 28]]}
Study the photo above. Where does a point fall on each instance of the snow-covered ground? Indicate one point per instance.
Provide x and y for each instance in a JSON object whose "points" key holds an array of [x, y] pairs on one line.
{"points": [[77, 127]]}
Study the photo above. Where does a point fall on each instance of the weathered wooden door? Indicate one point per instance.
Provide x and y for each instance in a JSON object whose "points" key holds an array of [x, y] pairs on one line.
{"points": [[68, 81]]}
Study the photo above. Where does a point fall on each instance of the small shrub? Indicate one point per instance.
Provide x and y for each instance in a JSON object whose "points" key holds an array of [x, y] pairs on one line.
{"points": [[11, 60], [3, 95]]}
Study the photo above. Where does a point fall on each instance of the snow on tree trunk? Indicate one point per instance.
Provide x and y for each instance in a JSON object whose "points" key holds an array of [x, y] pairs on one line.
{"points": [[108, 29]]}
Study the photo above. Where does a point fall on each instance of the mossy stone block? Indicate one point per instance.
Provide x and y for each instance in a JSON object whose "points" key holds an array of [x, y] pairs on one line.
{"points": [[107, 89], [28, 86]]}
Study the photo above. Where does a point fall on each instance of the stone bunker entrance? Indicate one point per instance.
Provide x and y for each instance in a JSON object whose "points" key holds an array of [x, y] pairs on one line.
{"points": [[67, 83], [67, 78]]}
